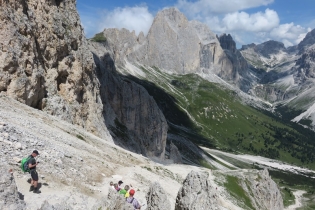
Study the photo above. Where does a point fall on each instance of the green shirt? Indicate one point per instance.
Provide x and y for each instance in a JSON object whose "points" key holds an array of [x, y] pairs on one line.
{"points": [[122, 191]]}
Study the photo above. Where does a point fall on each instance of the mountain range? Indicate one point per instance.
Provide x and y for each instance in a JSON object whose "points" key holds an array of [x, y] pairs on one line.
{"points": [[166, 95]]}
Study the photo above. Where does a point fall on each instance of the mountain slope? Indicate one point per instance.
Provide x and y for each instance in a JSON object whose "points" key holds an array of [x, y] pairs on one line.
{"points": [[75, 167]]}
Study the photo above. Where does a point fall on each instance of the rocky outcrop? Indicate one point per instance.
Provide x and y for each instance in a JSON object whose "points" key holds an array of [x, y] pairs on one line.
{"points": [[265, 191], [131, 114], [240, 70], [45, 62], [9, 194], [157, 198], [227, 43], [306, 64], [117, 201], [175, 154], [196, 193]]}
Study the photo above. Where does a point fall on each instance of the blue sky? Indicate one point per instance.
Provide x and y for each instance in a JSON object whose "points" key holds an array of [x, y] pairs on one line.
{"points": [[248, 21]]}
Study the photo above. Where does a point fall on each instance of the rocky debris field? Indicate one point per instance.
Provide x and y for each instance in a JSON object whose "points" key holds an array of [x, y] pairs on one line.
{"points": [[75, 168]]}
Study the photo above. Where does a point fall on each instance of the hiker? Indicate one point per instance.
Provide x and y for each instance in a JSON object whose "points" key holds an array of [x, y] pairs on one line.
{"points": [[132, 200], [127, 191], [124, 190], [116, 187], [34, 175], [112, 185], [119, 184]]}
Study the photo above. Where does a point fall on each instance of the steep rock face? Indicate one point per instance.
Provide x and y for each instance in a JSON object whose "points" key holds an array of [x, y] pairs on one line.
{"points": [[45, 62], [306, 63], [196, 193], [9, 194], [157, 198], [240, 73], [227, 42], [131, 113]]}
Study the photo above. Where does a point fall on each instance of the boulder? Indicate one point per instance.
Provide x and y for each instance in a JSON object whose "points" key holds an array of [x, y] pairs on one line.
{"points": [[196, 193], [9, 195], [157, 198]]}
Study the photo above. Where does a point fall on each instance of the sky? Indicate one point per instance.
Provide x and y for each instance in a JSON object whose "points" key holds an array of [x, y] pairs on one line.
{"points": [[248, 21]]}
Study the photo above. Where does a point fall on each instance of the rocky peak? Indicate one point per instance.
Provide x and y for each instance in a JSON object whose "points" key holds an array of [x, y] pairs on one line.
{"points": [[196, 193], [308, 40], [173, 16], [227, 42], [179, 46], [270, 47]]}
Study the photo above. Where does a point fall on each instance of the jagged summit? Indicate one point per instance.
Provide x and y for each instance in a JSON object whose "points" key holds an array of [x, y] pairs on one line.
{"points": [[227, 42]]}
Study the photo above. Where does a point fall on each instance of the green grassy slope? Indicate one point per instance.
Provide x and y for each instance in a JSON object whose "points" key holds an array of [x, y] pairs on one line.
{"points": [[215, 117]]}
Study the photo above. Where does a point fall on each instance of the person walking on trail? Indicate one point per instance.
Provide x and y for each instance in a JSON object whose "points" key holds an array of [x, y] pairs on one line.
{"points": [[32, 163], [132, 200]]}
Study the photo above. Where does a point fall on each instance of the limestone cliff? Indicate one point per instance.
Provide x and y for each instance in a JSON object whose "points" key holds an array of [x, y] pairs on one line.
{"points": [[131, 114], [240, 69], [45, 62]]}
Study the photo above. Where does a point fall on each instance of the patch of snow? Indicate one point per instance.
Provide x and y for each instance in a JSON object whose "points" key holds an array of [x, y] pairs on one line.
{"points": [[310, 112]]}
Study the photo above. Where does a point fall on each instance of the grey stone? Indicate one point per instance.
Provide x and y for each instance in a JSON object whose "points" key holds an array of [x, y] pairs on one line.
{"points": [[196, 193], [9, 194], [157, 198]]}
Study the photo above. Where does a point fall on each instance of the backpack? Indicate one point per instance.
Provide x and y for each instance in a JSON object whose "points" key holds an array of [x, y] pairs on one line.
{"points": [[24, 164]]}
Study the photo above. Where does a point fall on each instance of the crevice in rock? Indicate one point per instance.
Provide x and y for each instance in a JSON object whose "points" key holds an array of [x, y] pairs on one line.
{"points": [[62, 79], [25, 8], [58, 2], [39, 55], [80, 96]]}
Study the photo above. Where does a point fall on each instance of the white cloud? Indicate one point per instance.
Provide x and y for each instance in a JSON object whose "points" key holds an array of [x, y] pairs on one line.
{"points": [[289, 33], [256, 22], [210, 7], [228, 16], [136, 18], [95, 20]]}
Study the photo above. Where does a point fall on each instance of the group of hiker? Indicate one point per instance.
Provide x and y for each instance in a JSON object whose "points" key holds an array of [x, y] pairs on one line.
{"points": [[126, 192], [29, 164]]}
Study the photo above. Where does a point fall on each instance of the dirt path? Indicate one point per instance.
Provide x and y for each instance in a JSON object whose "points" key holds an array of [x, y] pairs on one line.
{"points": [[298, 200]]}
